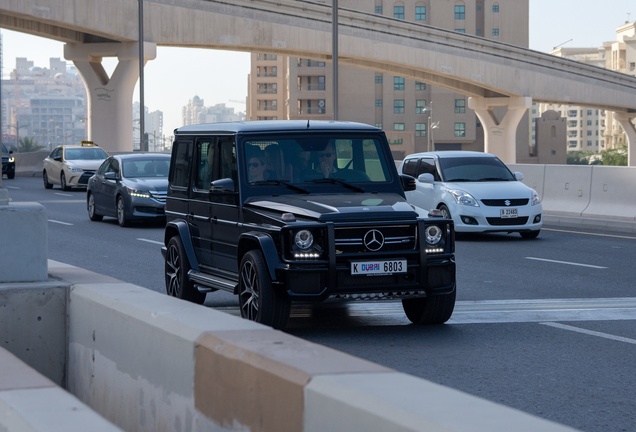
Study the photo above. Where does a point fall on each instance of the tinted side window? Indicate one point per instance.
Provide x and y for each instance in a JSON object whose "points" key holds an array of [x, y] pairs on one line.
{"points": [[427, 166], [409, 167], [180, 168], [228, 168], [205, 167], [102, 168]]}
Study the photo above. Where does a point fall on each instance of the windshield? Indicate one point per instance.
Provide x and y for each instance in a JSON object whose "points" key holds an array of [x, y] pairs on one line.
{"points": [[306, 159], [84, 154], [138, 168], [4, 149], [474, 169]]}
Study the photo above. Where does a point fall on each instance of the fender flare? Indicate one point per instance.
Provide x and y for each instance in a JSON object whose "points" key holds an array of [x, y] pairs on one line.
{"points": [[184, 233], [267, 246]]}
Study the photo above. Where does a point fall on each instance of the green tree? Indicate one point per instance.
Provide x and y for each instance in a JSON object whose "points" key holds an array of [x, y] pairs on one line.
{"points": [[579, 157], [28, 144], [616, 156]]}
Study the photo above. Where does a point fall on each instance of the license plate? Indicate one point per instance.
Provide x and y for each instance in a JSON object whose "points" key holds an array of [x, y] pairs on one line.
{"points": [[509, 213], [378, 267]]}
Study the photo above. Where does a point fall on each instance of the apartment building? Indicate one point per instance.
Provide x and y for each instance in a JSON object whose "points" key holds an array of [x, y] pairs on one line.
{"points": [[589, 128], [281, 87]]}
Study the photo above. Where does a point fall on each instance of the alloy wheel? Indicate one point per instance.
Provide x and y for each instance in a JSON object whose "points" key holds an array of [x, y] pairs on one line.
{"points": [[249, 291], [173, 270]]}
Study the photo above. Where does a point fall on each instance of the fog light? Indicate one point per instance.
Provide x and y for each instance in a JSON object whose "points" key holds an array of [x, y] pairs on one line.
{"points": [[469, 220], [537, 218]]}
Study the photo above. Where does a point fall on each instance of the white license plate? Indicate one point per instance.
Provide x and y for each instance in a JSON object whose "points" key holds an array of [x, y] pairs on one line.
{"points": [[378, 267], [509, 213]]}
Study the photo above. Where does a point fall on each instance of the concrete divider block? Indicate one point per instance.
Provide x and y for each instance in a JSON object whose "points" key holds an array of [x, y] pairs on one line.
{"points": [[533, 175], [567, 189], [612, 193], [398, 402], [29, 402], [23, 242], [256, 379], [30, 164]]}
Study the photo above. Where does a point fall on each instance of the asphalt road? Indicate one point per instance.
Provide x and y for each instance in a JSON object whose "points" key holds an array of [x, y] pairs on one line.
{"points": [[546, 326]]}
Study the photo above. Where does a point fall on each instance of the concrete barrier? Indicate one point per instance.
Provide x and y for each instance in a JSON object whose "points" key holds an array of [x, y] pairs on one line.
{"points": [[567, 189], [29, 164], [30, 402], [150, 362], [533, 176], [612, 193]]}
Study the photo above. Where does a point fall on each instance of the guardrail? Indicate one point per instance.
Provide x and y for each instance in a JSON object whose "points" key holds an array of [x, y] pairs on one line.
{"points": [[146, 361]]}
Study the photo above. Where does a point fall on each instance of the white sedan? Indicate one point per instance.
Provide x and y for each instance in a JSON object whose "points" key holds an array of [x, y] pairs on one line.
{"points": [[474, 189]]}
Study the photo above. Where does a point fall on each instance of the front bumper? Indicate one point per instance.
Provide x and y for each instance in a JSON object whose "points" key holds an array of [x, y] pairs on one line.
{"points": [[78, 179], [8, 167], [488, 219], [146, 208]]}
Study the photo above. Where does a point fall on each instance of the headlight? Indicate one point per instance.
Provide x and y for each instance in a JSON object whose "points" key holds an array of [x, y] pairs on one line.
{"points": [[464, 198], [138, 193], [75, 170], [433, 234], [535, 198], [304, 239], [11, 159]]}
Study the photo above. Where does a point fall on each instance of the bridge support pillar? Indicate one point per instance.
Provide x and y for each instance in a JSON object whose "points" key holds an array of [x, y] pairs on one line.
{"points": [[625, 120], [500, 136], [110, 121]]}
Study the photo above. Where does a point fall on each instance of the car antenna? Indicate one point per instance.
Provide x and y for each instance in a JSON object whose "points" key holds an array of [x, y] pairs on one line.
{"points": [[307, 123]]}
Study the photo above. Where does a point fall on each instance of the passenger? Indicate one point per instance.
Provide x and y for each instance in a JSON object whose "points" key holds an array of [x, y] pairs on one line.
{"points": [[256, 165], [326, 160]]}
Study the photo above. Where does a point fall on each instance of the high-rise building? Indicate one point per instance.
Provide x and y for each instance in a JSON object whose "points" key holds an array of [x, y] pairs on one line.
{"points": [[196, 113], [589, 128], [46, 104], [153, 125], [282, 87]]}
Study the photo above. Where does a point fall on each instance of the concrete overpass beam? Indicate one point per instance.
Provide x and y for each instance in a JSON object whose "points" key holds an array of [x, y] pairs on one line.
{"points": [[500, 136], [110, 121], [625, 120]]}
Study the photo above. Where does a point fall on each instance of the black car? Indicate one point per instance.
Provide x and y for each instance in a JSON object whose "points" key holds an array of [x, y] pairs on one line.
{"points": [[129, 187], [285, 211], [8, 163]]}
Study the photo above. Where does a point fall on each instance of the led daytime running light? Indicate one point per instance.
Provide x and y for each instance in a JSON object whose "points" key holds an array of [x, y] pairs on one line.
{"points": [[306, 255]]}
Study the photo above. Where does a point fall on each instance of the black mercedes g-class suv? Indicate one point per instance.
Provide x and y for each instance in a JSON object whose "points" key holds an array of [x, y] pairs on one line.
{"points": [[283, 211]]}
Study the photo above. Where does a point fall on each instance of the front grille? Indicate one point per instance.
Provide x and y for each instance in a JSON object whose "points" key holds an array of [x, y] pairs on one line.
{"points": [[84, 178], [159, 195], [150, 210], [507, 221], [502, 202], [349, 239]]}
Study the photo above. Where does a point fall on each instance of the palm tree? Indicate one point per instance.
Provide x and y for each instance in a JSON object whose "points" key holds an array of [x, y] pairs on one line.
{"points": [[28, 144]]}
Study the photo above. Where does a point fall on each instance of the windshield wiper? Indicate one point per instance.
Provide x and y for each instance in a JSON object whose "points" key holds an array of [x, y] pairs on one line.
{"points": [[492, 179], [281, 182], [459, 180], [336, 181]]}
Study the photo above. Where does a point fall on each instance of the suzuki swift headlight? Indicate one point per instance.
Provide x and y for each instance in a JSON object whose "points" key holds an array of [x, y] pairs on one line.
{"points": [[535, 198], [463, 198]]}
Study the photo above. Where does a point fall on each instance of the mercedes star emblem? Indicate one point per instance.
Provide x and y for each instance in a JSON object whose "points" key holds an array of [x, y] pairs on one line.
{"points": [[373, 240]]}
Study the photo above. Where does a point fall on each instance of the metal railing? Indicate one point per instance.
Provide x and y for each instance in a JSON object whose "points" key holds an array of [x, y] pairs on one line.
{"points": [[311, 87], [311, 110]]}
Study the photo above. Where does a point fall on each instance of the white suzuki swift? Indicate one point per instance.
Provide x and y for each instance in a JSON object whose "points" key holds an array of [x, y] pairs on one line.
{"points": [[474, 189]]}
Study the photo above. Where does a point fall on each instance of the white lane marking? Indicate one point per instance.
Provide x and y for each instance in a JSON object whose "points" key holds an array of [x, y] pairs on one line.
{"points": [[63, 194], [565, 262], [590, 332], [11, 187], [586, 233], [150, 241], [58, 222]]}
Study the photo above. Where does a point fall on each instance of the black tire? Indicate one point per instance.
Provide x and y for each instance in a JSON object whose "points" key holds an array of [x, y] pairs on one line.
{"points": [[177, 267], [121, 212], [430, 310], [445, 211], [45, 177], [63, 182], [11, 175], [257, 299], [530, 234], [90, 206]]}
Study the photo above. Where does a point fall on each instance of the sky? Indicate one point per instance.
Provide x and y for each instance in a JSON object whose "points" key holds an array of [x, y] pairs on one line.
{"points": [[179, 74]]}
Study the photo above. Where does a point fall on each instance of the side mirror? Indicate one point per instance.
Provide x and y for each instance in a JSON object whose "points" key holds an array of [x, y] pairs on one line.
{"points": [[408, 183], [10, 151], [58, 158], [518, 175], [222, 185], [110, 176], [426, 178]]}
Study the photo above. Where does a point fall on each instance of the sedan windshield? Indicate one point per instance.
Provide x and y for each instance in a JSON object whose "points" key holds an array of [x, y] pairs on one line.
{"points": [[137, 168], [474, 169], [305, 159], [84, 154]]}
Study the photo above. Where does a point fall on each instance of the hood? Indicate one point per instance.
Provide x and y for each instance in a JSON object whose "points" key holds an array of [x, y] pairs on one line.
{"points": [[337, 207], [86, 165], [492, 190], [148, 183]]}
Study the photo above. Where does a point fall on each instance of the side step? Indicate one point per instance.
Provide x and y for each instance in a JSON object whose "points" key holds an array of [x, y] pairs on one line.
{"points": [[208, 283]]}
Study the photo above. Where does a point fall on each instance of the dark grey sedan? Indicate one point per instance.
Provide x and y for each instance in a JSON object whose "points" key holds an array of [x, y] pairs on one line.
{"points": [[129, 187]]}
